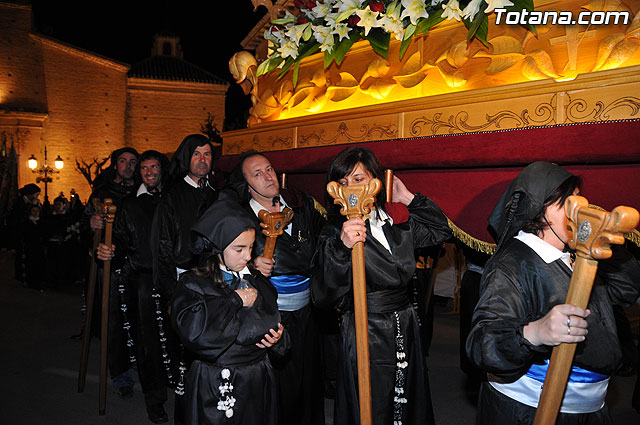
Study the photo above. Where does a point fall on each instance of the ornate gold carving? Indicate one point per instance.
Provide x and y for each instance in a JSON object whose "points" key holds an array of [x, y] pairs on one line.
{"points": [[367, 133], [270, 144], [458, 123], [616, 49], [577, 110]]}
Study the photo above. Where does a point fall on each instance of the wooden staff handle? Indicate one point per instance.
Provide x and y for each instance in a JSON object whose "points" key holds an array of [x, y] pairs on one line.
{"points": [[388, 184], [109, 216], [283, 181], [86, 331], [593, 233], [356, 201], [273, 225]]}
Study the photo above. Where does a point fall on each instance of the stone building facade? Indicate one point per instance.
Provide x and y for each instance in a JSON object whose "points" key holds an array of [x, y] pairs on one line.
{"points": [[82, 106]]}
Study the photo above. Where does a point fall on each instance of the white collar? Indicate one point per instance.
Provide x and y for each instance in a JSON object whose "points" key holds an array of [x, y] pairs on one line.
{"points": [[545, 250], [142, 190], [241, 273], [193, 183], [380, 218], [256, 207]]}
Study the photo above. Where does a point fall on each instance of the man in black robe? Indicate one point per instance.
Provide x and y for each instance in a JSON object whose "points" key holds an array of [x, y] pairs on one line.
{"points": [[299, 375], [188, 197], [115, 182], [144, 320]]}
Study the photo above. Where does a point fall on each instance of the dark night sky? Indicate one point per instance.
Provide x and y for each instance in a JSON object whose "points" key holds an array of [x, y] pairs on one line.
{"points": [[210, 31]]}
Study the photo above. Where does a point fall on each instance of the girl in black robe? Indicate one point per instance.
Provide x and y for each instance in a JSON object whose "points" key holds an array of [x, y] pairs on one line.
{"points": [[399, 383], [227, 316], [521, 313]]}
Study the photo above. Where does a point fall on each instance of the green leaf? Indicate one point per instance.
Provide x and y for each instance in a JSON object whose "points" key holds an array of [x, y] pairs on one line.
{"points": [[294, 75], [344, 15], [283, 21], [341, 49], [379, 40], [306, 35], [424, 25], [527, 5], [408, 32], [329, 56], [479, 28]]}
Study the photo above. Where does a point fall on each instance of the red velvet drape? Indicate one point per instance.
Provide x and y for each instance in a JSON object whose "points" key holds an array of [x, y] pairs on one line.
{"points": [[465, 174]]}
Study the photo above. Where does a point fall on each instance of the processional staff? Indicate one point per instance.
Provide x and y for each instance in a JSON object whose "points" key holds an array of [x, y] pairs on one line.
{"points": [[593, 233], [91, 290], [107, 211], [273, 225], [356, 201]]}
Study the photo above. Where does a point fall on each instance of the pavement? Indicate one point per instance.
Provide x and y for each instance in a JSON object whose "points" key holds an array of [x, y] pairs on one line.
{"points": [[40, 361]]}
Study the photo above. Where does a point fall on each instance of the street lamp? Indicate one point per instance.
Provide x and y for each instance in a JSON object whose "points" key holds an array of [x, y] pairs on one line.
{"points": [[45, 170]]}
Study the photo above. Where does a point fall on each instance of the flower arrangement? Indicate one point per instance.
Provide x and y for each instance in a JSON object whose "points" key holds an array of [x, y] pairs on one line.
{"points": [[333, 26]]}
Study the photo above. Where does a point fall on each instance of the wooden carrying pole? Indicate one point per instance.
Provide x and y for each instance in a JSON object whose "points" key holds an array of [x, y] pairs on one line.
{"points": [[91, 290], [388, 184], [273, 225], [356, 201], [593, 233], [109, 216]]}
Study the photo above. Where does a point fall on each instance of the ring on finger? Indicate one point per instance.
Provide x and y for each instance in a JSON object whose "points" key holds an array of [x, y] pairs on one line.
{"points": [[357, 233], [568, 330], [568, 321]]}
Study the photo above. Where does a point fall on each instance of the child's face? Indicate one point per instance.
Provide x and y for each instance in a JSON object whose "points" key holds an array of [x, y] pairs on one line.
{"points": [[238, 253], [34, 212]]}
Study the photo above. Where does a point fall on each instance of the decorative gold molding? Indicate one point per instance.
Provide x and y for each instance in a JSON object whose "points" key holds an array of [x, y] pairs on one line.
{"points": [[270, 144], [367, 133], [544, 114], [575, 110]]}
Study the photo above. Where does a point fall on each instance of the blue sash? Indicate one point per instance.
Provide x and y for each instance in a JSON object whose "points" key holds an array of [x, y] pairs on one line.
{"points": [[290, 284], [539, 372]]}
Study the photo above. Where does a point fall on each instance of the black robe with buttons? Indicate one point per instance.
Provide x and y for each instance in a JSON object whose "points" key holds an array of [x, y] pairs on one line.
{"points": [[131, 236], [388, 276]]}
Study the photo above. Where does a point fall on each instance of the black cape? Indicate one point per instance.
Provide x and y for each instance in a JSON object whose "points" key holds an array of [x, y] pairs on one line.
{"points": [[222, 334]]}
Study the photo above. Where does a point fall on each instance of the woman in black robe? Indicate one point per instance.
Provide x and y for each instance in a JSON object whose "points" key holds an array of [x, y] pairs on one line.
{"points": [[226, 315], [521, 313], [399, 382]]}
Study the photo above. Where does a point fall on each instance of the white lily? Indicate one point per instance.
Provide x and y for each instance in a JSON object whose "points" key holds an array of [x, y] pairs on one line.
{"points": [[414, 9], [452, 10], [321, 10], [471, 10], [295, 32], [348, 4], [389, 24], [327, 44], [320, 33], [436, 2], [368, 19], [341, 30], [496, 4], [288, 49]]}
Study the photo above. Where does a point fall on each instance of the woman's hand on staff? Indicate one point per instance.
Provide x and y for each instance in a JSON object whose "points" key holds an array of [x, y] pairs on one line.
{"points": [[105, 253], [563, 323], [264, 265], [400, 192], [353, 231], [271, 338], [248, 296]]}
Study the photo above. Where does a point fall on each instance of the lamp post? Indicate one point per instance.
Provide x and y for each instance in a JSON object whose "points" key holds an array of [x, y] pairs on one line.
{"points": [[45, 170]]}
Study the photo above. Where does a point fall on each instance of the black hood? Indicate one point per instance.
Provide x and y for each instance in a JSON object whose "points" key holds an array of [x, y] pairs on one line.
{"points": [[109, 173], [220, 225], [182, 158], [524, 199]]}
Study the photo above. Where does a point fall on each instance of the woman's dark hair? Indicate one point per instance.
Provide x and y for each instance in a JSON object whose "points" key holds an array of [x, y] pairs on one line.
{"points": [[537, 224], [343, 165]]}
